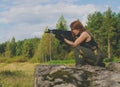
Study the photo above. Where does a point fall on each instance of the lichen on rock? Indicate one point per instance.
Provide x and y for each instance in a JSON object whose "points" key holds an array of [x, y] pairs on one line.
{"points": [[82, 76]]}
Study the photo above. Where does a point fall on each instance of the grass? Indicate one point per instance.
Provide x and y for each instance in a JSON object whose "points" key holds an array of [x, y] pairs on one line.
{"points": [[22, 74], [65, 62], [17, 74]]}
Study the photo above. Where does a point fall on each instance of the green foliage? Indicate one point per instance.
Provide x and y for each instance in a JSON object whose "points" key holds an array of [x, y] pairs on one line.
{"points": [[46, 48], [94, 25], [27, 49], [105, 27], [13, 47], [62, 23], [2, 48], [107, 60], [19, 46], [7, 50], [62, 49], [70, 55], [49, 47]]}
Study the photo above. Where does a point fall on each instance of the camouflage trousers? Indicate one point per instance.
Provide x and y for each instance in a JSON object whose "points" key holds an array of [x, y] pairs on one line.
{"points": [[85, 56]]}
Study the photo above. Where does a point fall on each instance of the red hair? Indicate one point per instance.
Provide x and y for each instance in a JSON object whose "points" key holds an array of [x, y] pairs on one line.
{"points": [[77, 25]]}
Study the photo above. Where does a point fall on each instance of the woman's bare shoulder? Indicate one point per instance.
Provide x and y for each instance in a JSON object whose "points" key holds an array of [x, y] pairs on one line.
{"points": [[85, 33]]}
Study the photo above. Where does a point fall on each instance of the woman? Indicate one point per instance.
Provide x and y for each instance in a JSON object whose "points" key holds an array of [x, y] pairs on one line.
{"points": [[86, 49]]}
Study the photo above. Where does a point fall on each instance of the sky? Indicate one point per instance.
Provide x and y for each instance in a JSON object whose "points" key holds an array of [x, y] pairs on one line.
{"points": [[25, 19]]}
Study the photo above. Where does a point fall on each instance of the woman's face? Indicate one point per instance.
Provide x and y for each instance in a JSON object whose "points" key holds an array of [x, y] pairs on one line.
{"points": [[75, 31]]}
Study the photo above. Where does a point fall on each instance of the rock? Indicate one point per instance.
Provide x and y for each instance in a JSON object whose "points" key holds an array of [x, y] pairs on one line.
{"points": [[65, 85], [114, 66], [82, 76]]}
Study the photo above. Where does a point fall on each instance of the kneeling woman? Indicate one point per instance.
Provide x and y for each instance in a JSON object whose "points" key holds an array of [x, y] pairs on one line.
{"points": [[86, 49]]}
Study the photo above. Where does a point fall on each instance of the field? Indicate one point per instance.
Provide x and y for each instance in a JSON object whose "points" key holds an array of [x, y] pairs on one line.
{"points": [[22, 74], [17, 74]]}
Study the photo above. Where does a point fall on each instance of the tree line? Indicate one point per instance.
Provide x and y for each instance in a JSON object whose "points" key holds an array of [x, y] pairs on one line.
{"points": [[105, 27], [23, 50]]}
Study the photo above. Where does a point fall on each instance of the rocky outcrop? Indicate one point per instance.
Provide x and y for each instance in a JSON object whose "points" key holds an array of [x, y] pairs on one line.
{"points": [[80, 76]]}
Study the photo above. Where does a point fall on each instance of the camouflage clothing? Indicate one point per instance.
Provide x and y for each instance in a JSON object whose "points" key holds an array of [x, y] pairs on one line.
{"points": [[85, 55]]}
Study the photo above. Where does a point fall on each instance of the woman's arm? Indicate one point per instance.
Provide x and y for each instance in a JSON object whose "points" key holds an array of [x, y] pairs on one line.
{"points": [[79, 40]]}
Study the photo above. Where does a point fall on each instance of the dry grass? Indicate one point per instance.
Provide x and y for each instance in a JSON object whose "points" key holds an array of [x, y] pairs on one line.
{"points": [[17, 74]]}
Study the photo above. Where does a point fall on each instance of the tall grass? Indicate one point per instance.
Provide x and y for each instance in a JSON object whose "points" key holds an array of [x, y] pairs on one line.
{"points": [[22, 74], [17, 75]]}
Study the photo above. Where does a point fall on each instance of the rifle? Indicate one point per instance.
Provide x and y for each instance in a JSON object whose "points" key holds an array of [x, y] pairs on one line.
{"points": [[61, 34]]}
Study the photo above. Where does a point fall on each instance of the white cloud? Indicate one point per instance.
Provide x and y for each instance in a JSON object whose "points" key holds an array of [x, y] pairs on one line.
{"points": [[41, 13], [36, 34], [119, 8], [30, 17], [4, 20]]}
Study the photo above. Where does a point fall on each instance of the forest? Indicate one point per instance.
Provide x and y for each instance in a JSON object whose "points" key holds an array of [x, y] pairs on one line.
{"points": [[104, 26]]}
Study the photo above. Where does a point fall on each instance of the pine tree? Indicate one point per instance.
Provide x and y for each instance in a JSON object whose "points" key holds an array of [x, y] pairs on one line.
{"points": [[62, 23], [108, 28]]}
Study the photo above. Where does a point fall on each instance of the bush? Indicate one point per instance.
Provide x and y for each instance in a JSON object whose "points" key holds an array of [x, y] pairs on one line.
{"points": [[115, 59]]}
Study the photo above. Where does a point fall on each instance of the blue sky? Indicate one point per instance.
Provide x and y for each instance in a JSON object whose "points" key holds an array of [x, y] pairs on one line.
{"points": [[28, 18]]}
